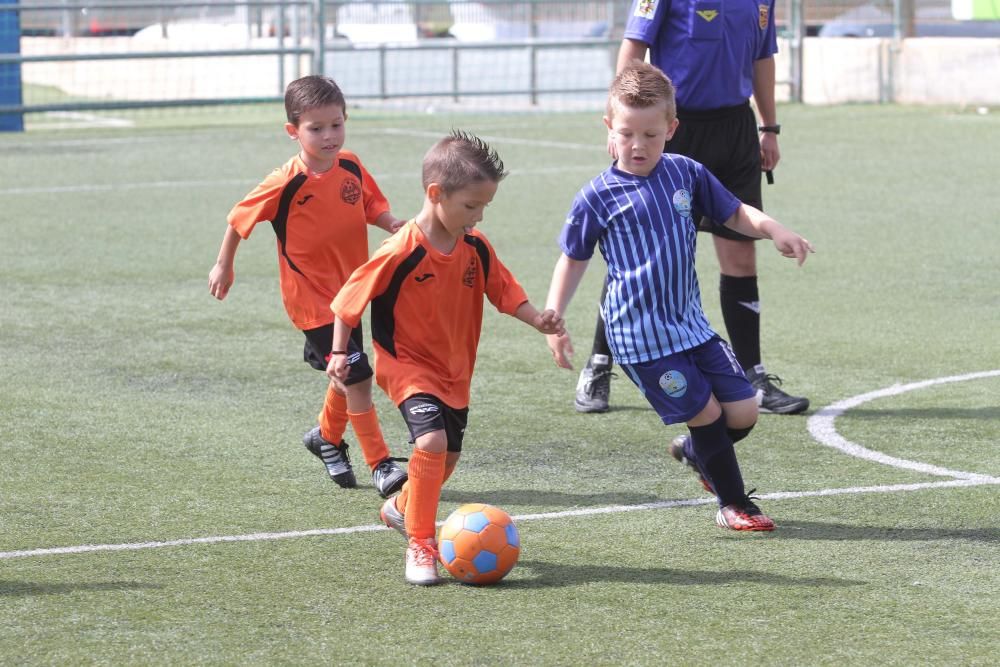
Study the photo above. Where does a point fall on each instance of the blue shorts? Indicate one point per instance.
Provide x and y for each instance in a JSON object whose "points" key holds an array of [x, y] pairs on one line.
{"points": [[679, 386]]}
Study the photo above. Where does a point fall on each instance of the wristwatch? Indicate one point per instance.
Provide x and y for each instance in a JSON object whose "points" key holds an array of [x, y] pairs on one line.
{"points": [[774, 129]]}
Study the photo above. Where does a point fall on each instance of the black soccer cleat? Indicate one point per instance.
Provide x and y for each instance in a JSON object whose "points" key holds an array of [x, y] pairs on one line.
{"points": [[334, 457], [594, 386], [677, 451], [772, 399], [388, 477]]}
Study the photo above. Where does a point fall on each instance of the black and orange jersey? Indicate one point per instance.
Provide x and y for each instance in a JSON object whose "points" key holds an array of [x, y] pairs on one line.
{"points": [[427, 311], [320, 223]]}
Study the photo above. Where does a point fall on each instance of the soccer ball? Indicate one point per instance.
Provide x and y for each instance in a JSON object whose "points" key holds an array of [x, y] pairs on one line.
{"points": [[479, 544]]}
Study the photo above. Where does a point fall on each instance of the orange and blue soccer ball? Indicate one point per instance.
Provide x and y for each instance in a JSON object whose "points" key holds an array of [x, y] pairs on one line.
{"points": [[479, 544]]}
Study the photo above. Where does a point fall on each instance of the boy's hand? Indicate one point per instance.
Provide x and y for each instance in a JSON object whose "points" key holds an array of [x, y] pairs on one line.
{"points": [[396, 225], [337, 368], [220, 279], [548, 322], [791, 245], [562, 349]]}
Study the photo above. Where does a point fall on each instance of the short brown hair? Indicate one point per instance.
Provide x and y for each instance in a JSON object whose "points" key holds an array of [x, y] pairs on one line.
{"points": [[311, 92], [639, 86], [459, 160]]}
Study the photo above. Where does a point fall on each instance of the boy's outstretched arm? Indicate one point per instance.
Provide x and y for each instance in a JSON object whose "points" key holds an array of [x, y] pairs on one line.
{"points": [[222, 275], [547, 322], [565, 279], [754, 222], [389, 222]]}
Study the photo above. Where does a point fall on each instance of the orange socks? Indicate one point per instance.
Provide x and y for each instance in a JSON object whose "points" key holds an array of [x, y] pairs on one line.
{"points": [[369, 434], [423, 492], [404, 494], [333, 418]]}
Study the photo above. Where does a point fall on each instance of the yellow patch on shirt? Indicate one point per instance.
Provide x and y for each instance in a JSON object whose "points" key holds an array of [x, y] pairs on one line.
{"points": [[708, 14], [645, 9]]}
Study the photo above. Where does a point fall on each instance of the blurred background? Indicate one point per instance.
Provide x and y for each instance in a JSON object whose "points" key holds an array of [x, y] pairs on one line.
{"points": [[67, 56]]}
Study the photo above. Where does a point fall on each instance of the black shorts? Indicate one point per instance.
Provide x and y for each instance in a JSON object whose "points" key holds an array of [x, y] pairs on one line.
{"points": [[319, 342], [726, 142], [424, 413]]}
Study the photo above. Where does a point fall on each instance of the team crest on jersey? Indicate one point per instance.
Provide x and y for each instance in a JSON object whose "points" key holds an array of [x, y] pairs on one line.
{"points": [[764, 16], [708, 14], [682, 203], [645, 9], [674, 384], [469, 279], [350, 191]]}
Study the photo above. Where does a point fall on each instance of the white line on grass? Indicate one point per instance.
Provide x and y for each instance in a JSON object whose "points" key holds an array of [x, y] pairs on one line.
{"points": [[596, 149], [587, 511], [245, 182], [821, 428]]}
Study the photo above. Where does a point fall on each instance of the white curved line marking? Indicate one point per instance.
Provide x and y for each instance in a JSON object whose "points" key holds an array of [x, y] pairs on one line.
{"points": [[821, 428]]}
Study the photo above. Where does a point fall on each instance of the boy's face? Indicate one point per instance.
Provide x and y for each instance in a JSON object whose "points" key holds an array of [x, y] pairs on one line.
{"points": [[639, 136], [320, 133], [461, 210]]}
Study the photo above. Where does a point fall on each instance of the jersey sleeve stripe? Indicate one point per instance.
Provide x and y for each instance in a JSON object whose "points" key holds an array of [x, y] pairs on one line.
{"points": [[280, 222], [384, 305], [483, 252]]}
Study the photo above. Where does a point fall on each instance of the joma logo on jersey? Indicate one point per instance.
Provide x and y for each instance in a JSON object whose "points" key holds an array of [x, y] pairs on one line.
{"points": [[708, 14], [304, 200], [469, 279], [350, 192]]}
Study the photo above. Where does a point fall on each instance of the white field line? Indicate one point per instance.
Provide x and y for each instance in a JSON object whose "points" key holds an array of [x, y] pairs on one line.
{"points": [[596, 149], [583, 512], [821, 428], [246, 183], [171, 139], [76, 120]]}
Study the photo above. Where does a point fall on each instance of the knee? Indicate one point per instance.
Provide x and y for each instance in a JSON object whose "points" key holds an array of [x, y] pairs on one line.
{"points": [[737, 434], [434, 442]]}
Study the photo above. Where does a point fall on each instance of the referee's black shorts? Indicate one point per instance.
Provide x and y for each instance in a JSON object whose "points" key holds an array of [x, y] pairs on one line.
{"points": [[726, 141]]}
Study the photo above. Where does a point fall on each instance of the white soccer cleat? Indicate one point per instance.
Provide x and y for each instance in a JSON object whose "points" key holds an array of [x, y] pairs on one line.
{"points": [[421, 562]]}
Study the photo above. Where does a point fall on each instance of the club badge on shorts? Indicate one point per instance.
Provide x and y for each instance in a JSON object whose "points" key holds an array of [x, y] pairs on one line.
{"points": [[763, 16], [674, 384]]}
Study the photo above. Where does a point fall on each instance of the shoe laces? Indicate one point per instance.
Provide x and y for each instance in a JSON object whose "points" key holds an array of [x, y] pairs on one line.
{"points": [[747, 505], [769, 379], [335, 453], [386, 463], [599, 383], [424, 551]]}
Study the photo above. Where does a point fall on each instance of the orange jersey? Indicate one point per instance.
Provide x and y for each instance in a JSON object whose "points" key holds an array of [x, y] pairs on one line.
{"points": [[320, 223], [427, 311]]}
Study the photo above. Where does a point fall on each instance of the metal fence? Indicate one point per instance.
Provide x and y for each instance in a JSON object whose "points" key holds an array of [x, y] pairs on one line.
{"points": [[73, 55]]}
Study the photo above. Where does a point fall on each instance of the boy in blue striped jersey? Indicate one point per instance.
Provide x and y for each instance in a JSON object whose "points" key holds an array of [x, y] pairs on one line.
{"points": [[642, 213]]}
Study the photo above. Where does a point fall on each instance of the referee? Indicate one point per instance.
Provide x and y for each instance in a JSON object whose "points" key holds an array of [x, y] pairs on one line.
{"points": [[719, 54]]}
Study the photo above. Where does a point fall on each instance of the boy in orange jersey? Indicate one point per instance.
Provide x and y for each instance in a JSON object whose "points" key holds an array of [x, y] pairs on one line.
{"points": [[319, 204], [426, 286]]}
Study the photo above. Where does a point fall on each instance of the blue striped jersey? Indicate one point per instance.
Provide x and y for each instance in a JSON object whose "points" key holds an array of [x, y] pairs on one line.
{"points": [[645, 227]]}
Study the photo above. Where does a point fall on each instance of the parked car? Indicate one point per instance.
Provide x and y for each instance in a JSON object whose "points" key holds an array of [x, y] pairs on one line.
{"points": [[872, 21]]}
